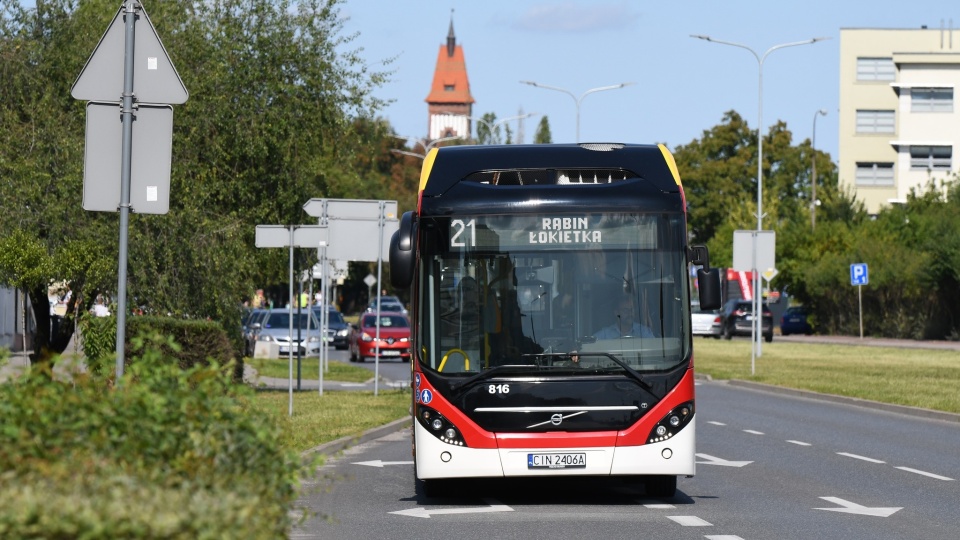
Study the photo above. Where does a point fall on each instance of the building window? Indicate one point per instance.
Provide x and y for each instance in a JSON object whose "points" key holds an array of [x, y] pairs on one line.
{"points": [[874, 174], [931, 100], [876, 69], [449, 88], [934, 158], [872, 121]]}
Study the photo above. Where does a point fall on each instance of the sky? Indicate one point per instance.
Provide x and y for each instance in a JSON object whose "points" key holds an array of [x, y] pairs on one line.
{"points": [[682, 86]]}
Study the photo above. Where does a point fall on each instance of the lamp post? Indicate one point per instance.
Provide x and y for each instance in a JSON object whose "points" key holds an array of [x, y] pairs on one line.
{"points": [[576, 99], [813, 171], [757, 314], [493, 126], [427, 146]]}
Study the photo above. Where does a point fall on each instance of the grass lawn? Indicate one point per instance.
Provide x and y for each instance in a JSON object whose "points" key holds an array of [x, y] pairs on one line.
{"points": [[915, 377], [320, 419], [309, 369]]}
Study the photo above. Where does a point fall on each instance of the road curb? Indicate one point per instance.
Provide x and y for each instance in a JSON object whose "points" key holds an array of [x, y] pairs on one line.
{"points": [[342, 443], [866, 403]]}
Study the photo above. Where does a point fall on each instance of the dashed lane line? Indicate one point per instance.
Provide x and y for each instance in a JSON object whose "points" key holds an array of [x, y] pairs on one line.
{"points": [[690, 521], [862, 458], [924, 473]]}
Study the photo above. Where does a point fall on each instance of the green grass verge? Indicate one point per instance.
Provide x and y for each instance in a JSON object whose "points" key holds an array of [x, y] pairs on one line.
{"points": [[320, 419], [914, 377], [309, 369]]}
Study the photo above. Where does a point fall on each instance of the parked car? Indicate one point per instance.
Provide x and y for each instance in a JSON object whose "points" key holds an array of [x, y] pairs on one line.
{"points": [[795, 321], [705, 322], [736, 319], [275, 327], [338, 331], [394, 337], [251, 326], [387, 303]]}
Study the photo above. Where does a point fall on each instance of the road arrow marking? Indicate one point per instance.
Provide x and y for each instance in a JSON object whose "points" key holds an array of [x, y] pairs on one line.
{"points": [[854, 508], [421, 512], [381, 464], [722, 462]]}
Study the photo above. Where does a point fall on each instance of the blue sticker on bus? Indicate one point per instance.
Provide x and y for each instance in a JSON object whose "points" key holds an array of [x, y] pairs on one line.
{"points": [[416, 379], [426, 396]]}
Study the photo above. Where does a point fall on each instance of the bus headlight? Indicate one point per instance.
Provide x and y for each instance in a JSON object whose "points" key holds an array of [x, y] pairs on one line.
{"points": [[439, 426], [672, 423]]}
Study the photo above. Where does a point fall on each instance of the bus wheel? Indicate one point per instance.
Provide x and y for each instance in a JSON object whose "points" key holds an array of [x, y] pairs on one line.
{"points": [[661, 486]]}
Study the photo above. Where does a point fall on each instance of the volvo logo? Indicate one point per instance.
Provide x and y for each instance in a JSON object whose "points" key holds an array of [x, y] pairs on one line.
{"points": [[557, 418]]}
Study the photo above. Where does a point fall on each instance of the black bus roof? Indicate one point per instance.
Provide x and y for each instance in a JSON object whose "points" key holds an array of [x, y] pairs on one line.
{"points": [[550, 178]]}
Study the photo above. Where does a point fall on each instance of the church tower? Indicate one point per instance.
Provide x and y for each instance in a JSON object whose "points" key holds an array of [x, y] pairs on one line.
{"points": [[449, 101]]}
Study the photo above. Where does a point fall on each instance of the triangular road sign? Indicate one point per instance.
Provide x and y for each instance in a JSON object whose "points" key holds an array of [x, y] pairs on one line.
{"points": [[155, 80]]}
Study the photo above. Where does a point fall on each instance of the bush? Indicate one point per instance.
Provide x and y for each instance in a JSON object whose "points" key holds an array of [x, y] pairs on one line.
{"points": [[164, 452], [200, 341]]}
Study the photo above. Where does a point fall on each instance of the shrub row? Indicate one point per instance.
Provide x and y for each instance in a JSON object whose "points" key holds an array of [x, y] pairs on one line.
{"points": [[164, 452]]}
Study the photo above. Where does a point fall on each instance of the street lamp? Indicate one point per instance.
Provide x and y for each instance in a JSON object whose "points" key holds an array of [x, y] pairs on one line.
{"points": [[757, 315], [576, 99], [813, 171], [493, 126], [427, 146]]}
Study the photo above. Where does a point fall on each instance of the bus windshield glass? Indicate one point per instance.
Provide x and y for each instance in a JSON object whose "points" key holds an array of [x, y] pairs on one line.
{"points": [[567, 294]]}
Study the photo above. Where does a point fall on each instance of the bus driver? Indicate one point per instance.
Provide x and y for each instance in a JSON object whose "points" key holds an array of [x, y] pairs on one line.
{"points": [[625, 324]]}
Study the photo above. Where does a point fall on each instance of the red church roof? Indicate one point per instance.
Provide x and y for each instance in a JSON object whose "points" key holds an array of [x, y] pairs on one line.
{"points": [[450, 82]]}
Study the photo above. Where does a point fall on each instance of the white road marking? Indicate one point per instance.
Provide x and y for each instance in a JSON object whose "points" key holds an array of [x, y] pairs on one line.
{"points": [[381, 464], [659, 506], [855, 456], [691, 521], [722, 537], [422, 512], [716, 423], [848, 507], [752, 432], [799, 443], [711, 460], [931, 475]]}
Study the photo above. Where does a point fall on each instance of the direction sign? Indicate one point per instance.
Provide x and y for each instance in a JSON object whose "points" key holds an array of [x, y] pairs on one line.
{"points": [[274, 236], [350, 209], [154, 77], [152, 149], [858, 274], [754, 249]]}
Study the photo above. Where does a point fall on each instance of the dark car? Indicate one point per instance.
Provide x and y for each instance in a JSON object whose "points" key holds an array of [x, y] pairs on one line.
{"points": [[736, 319], [795, 320], [338, 331]]}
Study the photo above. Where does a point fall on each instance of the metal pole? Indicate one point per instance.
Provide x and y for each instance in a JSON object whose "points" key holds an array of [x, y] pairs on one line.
{"points": [[577, 100], [813, 171], [126, 116], [376, 366], [299, 333], [290, 310], [860, 302]]}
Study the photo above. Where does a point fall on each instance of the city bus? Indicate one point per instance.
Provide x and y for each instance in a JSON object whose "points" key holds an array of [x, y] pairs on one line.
{"points": [[550, 306]]}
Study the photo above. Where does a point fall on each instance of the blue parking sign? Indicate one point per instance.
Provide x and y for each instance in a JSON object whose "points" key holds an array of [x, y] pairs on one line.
{"points": [[858, 274]]}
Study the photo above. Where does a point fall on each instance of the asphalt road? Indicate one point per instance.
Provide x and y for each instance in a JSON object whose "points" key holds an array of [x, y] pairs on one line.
{"points": [[771, 465]]}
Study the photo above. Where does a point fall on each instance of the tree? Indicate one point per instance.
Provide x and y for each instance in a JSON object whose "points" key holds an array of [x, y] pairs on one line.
{"points": [[488, 132], [275, 94], [542, 135]]}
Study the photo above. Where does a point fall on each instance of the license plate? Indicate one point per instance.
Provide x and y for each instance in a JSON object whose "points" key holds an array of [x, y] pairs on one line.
{"points": [[557, 461], [284, 350], [390, 353], [748, 318]]}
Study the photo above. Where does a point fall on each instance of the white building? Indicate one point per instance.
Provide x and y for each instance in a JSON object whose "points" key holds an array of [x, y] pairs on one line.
{"points": [[899, 125]]}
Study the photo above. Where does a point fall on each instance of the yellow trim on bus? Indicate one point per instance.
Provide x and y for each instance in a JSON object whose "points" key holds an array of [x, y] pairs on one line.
{"points": [[670, 163], [427, 167]]}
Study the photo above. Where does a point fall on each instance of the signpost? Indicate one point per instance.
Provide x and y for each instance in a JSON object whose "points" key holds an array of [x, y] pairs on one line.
{"points": [[859, 276], [356, 226], [123, 60], [275, 236], [753, 250]]}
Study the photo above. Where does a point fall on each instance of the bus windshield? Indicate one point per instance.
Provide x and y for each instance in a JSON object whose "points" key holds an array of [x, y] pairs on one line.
{"points": [[568, 294]]}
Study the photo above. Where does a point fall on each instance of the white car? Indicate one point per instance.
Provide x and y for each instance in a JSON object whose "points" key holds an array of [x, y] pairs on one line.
{"points": [[705, 322]]}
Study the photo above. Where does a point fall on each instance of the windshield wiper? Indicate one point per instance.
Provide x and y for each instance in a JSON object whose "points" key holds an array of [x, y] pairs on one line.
{"points": [[490, 373], [634, 374]]}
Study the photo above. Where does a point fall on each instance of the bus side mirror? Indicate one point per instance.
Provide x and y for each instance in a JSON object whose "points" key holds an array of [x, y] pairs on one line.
{"points": [[708, 279], [402, 252]]}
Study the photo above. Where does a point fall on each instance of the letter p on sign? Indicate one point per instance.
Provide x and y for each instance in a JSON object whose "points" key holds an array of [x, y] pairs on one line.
{"points": [[858, 274]]}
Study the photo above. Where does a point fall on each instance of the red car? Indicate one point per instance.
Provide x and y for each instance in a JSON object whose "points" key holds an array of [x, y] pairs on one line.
{"points": [[394, 337]]}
